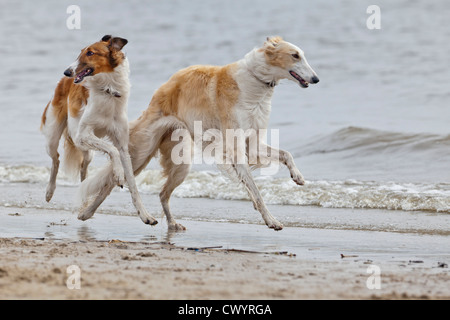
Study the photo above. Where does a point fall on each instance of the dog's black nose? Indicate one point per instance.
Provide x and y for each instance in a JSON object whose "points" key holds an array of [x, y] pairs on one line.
{"points": [[68, 72], [314, 79]]}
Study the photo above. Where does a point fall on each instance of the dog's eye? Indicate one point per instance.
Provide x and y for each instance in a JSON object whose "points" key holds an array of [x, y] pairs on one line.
{"points": [[89, 53], [296, 56]]}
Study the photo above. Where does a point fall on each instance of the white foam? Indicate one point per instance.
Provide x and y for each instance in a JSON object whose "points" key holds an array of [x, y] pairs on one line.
{"points": [[277, 191], [331, 194]]}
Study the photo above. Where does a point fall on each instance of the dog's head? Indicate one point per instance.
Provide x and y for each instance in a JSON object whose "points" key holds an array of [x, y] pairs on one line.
{"points": [[102, 56], [288, 61]]}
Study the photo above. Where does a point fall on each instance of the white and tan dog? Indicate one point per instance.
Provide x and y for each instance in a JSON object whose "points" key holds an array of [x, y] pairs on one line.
{"points": [[89, 107], [235, 96]]}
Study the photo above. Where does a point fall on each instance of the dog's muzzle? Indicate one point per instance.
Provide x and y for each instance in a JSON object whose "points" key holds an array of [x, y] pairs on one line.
{"points": [[68, 72], [303, 83], [314, 79], [82, 74]]}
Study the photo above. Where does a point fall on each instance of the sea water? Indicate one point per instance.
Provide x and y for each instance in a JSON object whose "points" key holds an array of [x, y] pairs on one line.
{"points": [[373, 134]]}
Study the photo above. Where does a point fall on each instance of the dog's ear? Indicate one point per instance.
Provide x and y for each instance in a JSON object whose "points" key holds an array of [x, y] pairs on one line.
{"points": [[118, 43], [273, 41], [270, 46], [106, 38]]}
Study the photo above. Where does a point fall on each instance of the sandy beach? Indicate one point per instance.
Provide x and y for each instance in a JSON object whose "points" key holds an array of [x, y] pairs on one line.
{"points": [[120, 258], [37, 269]]}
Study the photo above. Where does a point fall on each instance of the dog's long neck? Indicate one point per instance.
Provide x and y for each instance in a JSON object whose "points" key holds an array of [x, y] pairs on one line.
{"points": [[258, 68], [116, 83]]}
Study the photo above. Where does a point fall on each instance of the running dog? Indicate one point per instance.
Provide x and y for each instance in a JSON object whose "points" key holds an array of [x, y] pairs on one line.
{"points": [[234, 96], [88, 104]]}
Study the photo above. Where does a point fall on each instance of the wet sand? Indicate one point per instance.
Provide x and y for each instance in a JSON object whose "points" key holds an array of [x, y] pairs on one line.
{"points": [[121, 258]]}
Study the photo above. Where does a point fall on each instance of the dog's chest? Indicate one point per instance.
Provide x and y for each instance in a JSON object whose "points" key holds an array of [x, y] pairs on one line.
{"points": [[103, 110], [253, 115]]}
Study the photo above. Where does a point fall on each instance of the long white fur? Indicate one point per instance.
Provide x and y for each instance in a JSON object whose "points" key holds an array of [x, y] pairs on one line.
{"points": [[251, 111], [106, 115]]}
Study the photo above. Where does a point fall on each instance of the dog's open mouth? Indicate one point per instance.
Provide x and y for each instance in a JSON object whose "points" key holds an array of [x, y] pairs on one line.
{"points": [[82, 74], [302, 82]]}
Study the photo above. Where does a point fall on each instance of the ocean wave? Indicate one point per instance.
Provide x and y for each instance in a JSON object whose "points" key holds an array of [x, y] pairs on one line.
{"points": [[30, 174], [329, 194], [367, 142], [277, 191]]}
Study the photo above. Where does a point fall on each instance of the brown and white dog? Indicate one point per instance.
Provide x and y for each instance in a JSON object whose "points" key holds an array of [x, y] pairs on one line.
{"points": [[89, 107], [235, 96]]}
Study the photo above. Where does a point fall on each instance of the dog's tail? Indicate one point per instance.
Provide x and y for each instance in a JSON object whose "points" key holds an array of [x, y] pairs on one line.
{"points": [[146, 136], [73, 158]]}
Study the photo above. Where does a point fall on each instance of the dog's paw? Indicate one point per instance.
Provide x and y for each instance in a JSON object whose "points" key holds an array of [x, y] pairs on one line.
{"points": [[84, 215], [49, 193], [297, 177], [147, 218], [119, 177], [277, 226], [176, 227]]}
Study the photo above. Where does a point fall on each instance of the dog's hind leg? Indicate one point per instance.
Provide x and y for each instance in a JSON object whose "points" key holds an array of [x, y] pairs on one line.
{"points": [[175, 173], [53, 131], [53, 152]]}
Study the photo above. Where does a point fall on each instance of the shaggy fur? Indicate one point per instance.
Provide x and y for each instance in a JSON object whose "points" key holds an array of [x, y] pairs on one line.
{"points": [[235, 96], [91, 103]]}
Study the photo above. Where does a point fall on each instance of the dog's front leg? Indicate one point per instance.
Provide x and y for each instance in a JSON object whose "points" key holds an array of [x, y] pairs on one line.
{"points": [[242, 173], [129, 176], [121, 142], [246, 178], [87, 140], [266, 154]]}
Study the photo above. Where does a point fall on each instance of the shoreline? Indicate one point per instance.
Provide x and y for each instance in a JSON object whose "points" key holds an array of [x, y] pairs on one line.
{"points": [[121, 258]]}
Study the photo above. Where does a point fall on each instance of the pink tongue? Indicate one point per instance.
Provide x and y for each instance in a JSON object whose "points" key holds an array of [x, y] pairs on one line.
{"points": [[81, 75]]}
